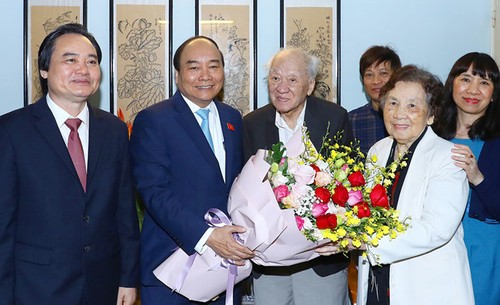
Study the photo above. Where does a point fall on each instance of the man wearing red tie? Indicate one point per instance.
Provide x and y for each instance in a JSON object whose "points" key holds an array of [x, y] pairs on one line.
{"points": [[68, 224]]}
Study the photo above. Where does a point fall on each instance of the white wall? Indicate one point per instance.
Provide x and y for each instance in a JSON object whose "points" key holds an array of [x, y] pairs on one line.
{"points": [[430, 33]]}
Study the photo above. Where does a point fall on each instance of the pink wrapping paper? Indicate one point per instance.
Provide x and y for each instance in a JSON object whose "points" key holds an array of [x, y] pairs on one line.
{"points": [[205, 280], [271, 232], [203, 277]]}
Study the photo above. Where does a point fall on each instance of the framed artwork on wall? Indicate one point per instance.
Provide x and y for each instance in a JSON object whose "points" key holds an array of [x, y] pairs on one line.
{"points": [[40, 18], [140, 55], [314, 26], [232, 24]]}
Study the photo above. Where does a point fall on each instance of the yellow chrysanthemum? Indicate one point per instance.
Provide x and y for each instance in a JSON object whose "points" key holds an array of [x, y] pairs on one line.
{"points": [[394, 234], [341, 232], [374, 241], [356, 243], [344, 243], [387, 182], [374, 158], [369, 230], [353, 221], [385, 230], [328, 234]]}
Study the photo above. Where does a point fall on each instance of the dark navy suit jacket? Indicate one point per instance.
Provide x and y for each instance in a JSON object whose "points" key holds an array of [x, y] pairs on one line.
{"points": [[484, 199], [178, 177], [59, 244]]}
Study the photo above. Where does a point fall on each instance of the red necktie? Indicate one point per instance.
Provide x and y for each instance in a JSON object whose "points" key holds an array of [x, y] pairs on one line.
{"points": [[76, 150]]}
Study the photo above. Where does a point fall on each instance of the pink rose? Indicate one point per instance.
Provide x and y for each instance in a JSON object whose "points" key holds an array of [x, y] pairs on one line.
{"points": [[319, 209], [281, 191], [300, 222], [303, 174], [354, 197]]}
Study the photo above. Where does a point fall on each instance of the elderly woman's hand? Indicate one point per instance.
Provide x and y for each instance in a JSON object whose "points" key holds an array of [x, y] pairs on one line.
{"points": [[464, 158]]}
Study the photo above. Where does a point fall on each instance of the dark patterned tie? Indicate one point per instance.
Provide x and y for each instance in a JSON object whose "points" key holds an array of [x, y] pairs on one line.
{"points": [[76, 150]]}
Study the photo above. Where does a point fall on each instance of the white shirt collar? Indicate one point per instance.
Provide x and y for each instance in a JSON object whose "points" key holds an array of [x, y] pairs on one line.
{"points": [[61, 115], [281, 123], [194, 107]]}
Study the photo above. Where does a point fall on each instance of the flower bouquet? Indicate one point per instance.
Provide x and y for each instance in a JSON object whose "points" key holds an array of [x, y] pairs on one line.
{"points": [[333, 195]]}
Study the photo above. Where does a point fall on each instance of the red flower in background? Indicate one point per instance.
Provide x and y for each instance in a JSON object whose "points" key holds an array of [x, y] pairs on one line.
{"points": [[122, 117]]}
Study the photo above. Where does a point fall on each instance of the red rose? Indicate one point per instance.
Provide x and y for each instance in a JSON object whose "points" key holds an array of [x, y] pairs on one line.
{"points": [[340, 195], [378, 197], [315, 167], [363, 209], [356, 179], [327, 221], [323, 194]]}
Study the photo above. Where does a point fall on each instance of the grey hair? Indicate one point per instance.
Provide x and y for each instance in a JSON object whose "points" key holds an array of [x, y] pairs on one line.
{"points": [[312, 62]]}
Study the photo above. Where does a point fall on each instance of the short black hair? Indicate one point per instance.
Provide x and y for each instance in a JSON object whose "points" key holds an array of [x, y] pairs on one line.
{"points": [[180, 49], [377, 55], [48, 44]]}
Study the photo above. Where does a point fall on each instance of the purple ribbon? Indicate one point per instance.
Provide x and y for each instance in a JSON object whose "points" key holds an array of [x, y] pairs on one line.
{"points": [[215, 218]]}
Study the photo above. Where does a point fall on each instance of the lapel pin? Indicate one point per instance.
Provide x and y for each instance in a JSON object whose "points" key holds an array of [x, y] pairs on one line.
{"points": [[230, 126]]}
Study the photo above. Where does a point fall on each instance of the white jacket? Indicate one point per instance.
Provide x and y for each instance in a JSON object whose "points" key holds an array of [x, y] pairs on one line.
{"points": [[429, 262]]}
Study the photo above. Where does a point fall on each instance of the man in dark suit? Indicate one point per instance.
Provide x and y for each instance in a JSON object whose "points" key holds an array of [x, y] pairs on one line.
{"points": [[182, 168], [68, 225], [291, 80]]}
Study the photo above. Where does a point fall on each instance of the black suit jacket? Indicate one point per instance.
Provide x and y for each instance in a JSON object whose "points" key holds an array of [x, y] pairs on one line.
{"points": [[321, 117], [59, 244]]}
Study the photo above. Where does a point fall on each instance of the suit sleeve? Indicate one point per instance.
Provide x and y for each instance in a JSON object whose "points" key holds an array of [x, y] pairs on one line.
{"points": [[9, 200], [127, 220], [485, 194], [442, 210], [345, 125]]}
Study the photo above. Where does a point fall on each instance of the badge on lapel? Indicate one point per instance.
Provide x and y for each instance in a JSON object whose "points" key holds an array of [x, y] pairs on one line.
{"points": [[230, 126]]}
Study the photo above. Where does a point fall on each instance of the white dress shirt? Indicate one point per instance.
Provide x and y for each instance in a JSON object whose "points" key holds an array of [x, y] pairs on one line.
{"points": [[215, 132], [285, 132], [83, 131]]}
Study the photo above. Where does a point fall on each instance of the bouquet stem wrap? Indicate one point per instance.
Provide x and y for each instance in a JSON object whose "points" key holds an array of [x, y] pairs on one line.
{"points": [[203, 277]]}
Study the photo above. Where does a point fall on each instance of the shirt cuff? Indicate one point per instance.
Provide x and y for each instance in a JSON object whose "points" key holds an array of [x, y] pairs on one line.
{"points": [[200, 246]]}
